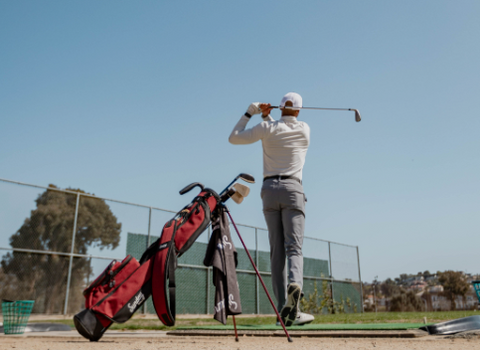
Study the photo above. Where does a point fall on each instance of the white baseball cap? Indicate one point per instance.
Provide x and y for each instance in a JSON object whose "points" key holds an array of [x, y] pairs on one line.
{"points": [[293, 97]]}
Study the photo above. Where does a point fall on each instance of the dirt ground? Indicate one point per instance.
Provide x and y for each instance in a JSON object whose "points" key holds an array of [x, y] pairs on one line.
{"points": [[227, 343]]}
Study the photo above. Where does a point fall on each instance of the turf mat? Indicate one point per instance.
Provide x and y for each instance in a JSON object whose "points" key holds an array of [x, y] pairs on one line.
{"points": [[316, 327]]}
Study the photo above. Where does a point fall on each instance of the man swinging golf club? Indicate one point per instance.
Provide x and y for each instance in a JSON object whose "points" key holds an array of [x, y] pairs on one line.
{"points": [[285, 143]]}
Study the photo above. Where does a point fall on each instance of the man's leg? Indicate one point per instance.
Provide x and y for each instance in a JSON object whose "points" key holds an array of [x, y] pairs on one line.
{"points": [[294, 225], [273, 218], [293, 220]]}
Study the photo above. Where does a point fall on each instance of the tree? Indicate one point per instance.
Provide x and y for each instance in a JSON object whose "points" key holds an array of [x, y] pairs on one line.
{"points": [[389, 288], [406, 301], [49, 228], [454, 283], [403, 278], [317, 303]]}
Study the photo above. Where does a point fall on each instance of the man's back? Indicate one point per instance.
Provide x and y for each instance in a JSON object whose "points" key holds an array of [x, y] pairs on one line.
{"points": [[285, 146], [285, 143]]}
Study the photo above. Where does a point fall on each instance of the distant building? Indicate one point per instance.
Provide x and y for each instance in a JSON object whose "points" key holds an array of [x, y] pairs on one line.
{"points": [[435, 301], [435, 289], [417, 285]]}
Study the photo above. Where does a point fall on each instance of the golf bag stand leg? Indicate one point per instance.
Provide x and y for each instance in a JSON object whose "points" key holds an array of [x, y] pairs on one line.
{"points": [[235, 327], [258, 275]]}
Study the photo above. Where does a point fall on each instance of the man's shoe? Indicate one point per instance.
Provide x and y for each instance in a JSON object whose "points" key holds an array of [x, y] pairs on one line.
{"points": [[289, 311], [303, 318]]}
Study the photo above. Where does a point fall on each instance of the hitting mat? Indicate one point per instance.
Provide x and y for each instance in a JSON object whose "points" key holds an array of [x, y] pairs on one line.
{"points": [[315, 327]]}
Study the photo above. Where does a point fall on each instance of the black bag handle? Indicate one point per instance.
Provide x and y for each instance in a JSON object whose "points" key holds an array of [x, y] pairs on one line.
{"points": [[190, 187]]}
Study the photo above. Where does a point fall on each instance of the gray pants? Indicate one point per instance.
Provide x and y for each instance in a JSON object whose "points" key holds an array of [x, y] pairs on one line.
{"points": [[284, 210]]}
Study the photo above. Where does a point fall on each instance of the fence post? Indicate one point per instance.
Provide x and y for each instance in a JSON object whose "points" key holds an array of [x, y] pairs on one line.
{"points": [[145, 307], [360, 279], [71, 254], [331, 276], [149, 225], [257, 293]]}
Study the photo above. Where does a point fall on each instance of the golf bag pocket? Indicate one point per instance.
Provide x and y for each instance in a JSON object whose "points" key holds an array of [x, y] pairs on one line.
{"points": [[194, 219], [127, 295], [115, 273], [114, 296]]}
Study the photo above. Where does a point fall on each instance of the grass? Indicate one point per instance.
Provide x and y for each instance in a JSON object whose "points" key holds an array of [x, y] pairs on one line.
{"points": [[365, 318]]}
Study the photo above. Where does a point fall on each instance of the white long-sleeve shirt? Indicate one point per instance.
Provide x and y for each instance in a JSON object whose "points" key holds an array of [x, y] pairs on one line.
{"points": [[285, 143]]}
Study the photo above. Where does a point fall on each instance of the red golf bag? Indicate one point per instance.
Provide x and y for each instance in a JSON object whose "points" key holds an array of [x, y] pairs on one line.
{"points": [[124, 286]]}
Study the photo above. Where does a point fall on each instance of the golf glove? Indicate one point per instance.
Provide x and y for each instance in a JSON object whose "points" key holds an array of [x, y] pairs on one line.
{"points": [[253, 109]]}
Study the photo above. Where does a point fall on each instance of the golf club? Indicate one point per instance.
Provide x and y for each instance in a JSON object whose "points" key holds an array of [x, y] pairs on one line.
{"points": [[240, 192], [357, 113], [225, 194]]}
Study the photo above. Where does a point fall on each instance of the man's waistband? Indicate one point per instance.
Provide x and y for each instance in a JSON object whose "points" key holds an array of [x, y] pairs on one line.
{"points": [[282, 177]]}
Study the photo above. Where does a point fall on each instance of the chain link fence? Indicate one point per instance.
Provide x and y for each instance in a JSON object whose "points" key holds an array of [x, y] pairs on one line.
{"points": [[53, 243]]}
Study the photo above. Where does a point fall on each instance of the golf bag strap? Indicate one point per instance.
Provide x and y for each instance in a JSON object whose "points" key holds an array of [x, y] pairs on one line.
{"points": [[171, 283], [162, 264]]}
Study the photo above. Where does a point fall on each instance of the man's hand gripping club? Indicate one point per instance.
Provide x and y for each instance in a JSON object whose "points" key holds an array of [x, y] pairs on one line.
{"points": [[257, 108]]}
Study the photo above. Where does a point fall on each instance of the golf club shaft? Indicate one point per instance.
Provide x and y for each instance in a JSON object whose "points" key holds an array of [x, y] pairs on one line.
{"points": [[258, 275], [317, 108], [357, 113]]}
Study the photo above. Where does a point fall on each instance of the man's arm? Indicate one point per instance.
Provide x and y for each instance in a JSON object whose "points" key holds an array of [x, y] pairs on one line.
{"points": [[240, 136]]}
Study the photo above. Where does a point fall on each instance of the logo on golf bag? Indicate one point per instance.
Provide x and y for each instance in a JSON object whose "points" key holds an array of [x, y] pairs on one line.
{"points": [[231, 302], [139, 298], [220, 305], [163, 246], [224, 244]]}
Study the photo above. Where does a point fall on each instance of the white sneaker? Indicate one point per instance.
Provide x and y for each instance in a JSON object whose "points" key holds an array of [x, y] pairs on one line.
{"points": [[290, 310], [302, 318]]}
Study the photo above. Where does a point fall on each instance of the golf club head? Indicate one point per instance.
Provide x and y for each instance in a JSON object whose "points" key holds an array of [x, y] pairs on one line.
{"points": [[357, 115], [247, 178], [225, 194], [237, 198], [243, 190], [237, 192]]}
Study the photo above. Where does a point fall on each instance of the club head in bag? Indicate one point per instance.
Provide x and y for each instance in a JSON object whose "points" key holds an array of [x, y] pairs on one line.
{"points": [[228, 191], [241, 191], [247, 178]]}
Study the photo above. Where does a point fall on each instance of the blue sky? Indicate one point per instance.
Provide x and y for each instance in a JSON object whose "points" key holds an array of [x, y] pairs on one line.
{"points": [[133, 100]]}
